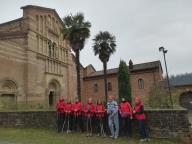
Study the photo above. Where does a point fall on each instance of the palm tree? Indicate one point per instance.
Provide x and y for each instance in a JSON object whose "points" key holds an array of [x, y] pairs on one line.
{"points": [[76, 30], [104, 46]]}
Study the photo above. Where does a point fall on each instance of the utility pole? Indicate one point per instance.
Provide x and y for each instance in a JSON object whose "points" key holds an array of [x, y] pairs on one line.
{"points": [[164, 52]]}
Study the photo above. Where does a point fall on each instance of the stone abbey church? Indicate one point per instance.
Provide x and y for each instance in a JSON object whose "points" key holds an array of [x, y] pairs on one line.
{"points": [[37, 65]]}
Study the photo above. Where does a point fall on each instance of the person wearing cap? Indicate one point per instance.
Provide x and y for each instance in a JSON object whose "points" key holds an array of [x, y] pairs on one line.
{"points": [[68, 115], [138, 112], [60, 113], [89, 111], [77, 114], [113, 117], [125, 111]]}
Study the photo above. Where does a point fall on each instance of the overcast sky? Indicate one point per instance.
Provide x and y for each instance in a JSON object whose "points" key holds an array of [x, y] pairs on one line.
{"points": [[140, 27]]}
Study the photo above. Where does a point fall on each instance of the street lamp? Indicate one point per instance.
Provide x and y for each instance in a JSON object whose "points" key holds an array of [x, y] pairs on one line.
{"points": [[164, 52]]}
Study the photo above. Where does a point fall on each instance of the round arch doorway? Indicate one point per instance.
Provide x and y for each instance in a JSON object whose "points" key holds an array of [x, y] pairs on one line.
{"points": [[8, 94], [186, 100], [53, 92]]}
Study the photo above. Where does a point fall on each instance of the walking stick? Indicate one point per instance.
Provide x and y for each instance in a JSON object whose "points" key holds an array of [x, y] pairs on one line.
{"points": [[64, 122], [68, 122], [75, 123], [91, 125], [101, 127], [87, 125]]}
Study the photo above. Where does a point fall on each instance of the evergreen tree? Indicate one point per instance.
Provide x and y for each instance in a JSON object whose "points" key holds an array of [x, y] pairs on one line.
{"points": [[124, 84]]}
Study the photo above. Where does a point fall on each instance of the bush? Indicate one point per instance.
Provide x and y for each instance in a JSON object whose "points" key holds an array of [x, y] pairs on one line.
{"points": [[159, 97]]}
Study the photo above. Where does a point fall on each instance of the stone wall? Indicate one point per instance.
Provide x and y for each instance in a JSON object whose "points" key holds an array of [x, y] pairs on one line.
{"points": [[168, 123], [161, 123]]}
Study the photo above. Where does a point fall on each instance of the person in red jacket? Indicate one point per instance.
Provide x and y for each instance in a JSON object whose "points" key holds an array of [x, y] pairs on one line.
{"points": [[60, 113], [125, 111], [89, 111], [138, 112], [77, 114], [100, 118], [68, 115]]}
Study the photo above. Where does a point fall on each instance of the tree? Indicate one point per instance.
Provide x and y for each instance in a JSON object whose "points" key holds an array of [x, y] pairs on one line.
{"points": [[104, 46], [158, 97], [76, 30], [124, 84]]}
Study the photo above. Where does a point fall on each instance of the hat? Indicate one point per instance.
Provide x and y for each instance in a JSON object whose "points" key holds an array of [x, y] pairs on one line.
{"points": [[137, 99], [111, 97]]}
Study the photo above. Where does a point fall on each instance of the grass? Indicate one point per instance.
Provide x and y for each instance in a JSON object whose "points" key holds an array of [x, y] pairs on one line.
{"points": [[44, 136]]}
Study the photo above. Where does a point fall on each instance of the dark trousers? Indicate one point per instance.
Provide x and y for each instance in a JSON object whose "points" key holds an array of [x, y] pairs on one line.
{"points": [[126, 128], [89, 124], [100, 122], [68, 121], [78, 123], [60, 121], [142, 129]]}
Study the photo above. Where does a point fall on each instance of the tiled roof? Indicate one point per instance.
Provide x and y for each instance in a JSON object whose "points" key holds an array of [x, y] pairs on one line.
{"points": [[136, 67]]}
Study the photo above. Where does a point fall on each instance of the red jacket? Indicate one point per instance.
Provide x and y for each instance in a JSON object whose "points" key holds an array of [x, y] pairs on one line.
{"points": [[89, 109], [139, 109], [125, 109], [68, 108], [77, 108], [100, 110], [60, 106]]}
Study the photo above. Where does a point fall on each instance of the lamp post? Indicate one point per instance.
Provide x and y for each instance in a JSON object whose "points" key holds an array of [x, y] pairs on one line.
{"points": [[164, 52]]}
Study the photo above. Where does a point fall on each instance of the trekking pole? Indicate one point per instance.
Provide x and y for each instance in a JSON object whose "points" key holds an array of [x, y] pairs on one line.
{"points": [[91, 124], [87, 124], [100, 125], [64, 122], [102, 130], [67, 123], [75, 127]]}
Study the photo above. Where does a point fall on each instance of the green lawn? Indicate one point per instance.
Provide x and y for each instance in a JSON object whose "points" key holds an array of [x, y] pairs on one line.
{"points": [[42, 136]]}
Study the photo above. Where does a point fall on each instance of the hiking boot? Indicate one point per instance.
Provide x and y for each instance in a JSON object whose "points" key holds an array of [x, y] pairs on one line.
{"points": [[90, 134], [87, 135], [147, 139], [143, 140], [104, 135], [98, 134], [115, 137]]}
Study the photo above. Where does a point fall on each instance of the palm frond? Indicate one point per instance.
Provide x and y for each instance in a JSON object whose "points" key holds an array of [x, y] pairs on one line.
{"points": [[76, 29], [104, 45]]}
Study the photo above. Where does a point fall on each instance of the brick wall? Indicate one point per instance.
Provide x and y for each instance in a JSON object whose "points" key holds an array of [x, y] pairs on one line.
{"points": [[161, 123], [149, 77]]}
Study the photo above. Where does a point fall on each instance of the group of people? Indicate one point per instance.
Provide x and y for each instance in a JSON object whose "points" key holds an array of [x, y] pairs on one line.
{"points": [[74, 116]]}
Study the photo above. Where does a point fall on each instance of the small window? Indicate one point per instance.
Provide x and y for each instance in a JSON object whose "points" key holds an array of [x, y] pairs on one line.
{"points": [[54, 50], [50, 48], [109, 86], [141, 84], [95, 87]]}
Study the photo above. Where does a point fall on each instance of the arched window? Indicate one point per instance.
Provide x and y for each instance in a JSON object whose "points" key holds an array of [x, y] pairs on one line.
{"points": [[140, 83], [109, 86], [53, 55], [96, 87]]}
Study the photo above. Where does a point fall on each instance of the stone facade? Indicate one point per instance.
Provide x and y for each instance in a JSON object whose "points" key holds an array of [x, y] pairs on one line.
{"points": [[36, 63]]}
